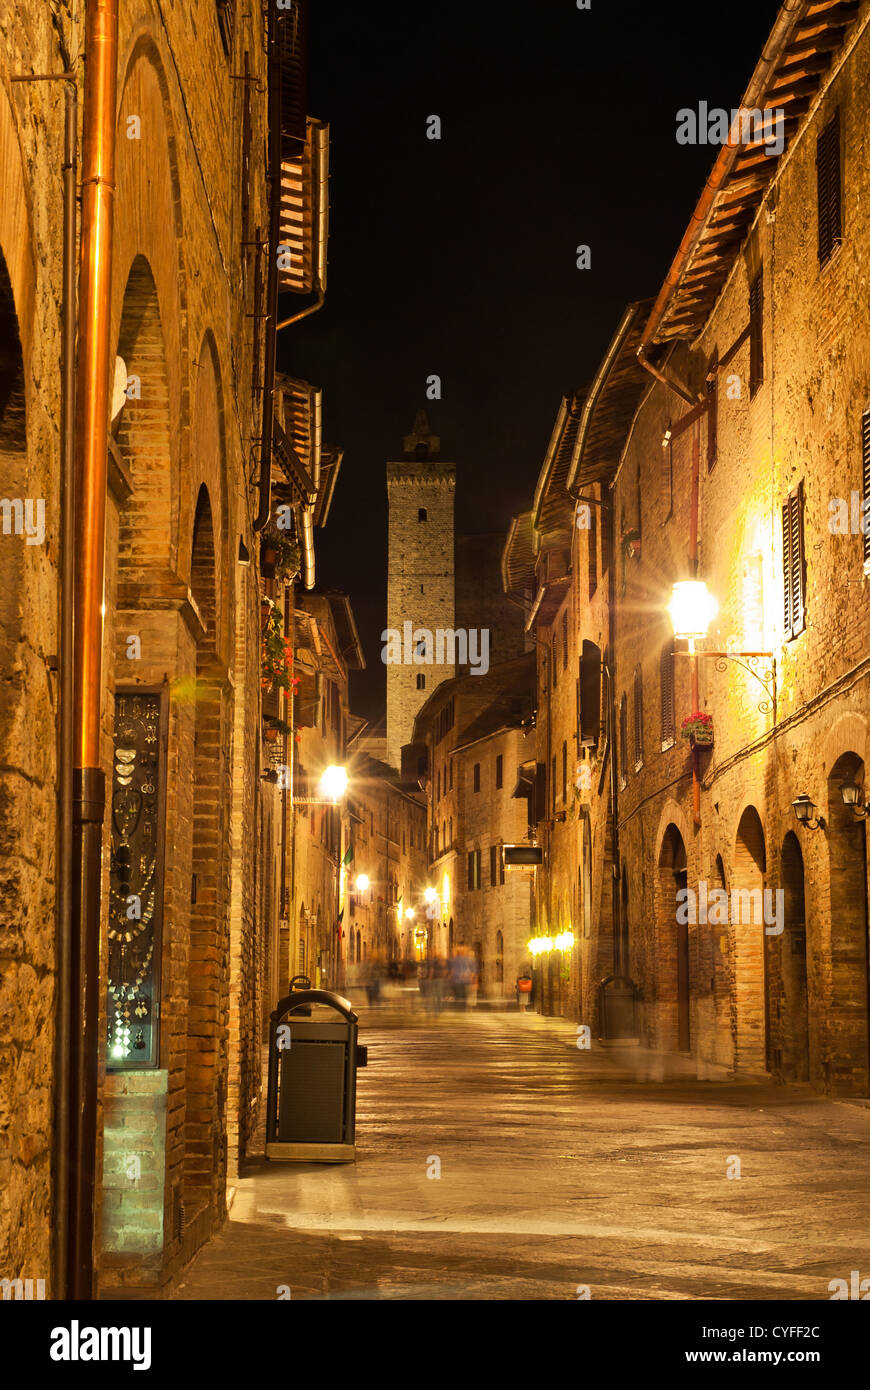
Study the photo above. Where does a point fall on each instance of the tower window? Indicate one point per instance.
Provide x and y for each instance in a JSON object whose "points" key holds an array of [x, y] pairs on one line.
{"points": [[422, 514], [421, 682]]}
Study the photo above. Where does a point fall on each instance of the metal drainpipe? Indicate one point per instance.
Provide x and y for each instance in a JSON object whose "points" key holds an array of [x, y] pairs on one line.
{"points": [[92, 420]]}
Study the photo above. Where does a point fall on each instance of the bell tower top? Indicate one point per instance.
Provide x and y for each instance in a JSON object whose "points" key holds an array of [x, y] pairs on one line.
{"points": [[421, 443]]}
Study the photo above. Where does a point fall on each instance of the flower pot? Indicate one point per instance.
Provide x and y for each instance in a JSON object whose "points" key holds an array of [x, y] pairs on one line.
{"points": [[270, 733], [701, 740]]}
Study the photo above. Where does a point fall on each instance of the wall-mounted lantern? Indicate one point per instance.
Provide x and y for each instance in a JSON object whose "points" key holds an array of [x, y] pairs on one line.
{"points": [[805, 812]]}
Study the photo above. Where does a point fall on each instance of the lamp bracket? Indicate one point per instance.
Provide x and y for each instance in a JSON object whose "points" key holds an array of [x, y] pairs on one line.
{"points": [[761, 665]]}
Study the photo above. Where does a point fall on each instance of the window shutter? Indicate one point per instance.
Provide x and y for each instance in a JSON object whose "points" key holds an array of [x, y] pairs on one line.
{"points": [[712, 413], [638, 716], [865, 484], [593, 550], [590, 694], [756, 333], [623, 741], [667, 673], [793, 564], [828, 185]]}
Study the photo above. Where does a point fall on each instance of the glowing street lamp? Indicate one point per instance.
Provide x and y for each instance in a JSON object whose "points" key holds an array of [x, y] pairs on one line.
{"points": [[362, 883], [333, 784], [409, 913], [430, 895], [692, 609]]}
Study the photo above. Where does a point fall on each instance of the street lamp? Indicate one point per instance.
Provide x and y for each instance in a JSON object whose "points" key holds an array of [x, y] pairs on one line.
{"points": [[430, 895], [805, 812], [852, 798], [409, 913], [362, 883], [692, 609], [333, 783]]}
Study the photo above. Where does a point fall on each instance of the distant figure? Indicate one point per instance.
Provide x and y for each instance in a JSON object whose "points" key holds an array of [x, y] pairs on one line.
{"points": [[462, 974], [524, 991], [372, 977], [438, 984]]}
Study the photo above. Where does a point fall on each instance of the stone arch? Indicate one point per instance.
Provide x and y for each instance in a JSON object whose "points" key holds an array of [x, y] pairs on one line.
{"points": [[787, 994], [749, 867], [16, 237], [209, 471], [673, 983], [13, 481], [671, 814], [846, 839], [149, 224], [205, 1163], [143, 435]]}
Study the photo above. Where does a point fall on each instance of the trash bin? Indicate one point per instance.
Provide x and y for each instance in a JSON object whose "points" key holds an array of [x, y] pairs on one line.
{"points": [[313, 1057], [618, 1007]]}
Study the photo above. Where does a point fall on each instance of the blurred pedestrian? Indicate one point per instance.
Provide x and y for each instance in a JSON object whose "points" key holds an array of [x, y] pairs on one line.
{"points": [[461, 975]]}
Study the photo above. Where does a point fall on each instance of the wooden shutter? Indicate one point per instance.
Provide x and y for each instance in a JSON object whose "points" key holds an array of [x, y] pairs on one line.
{"points": [[638, 716], [756, 333], [623, 741], [829, 189], [667, 681], [590, 695], [793, 566], [593, 550], [712, 413]]}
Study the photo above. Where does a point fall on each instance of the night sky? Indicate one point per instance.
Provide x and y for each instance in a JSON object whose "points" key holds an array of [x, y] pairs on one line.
{"points": [[457, 256]]}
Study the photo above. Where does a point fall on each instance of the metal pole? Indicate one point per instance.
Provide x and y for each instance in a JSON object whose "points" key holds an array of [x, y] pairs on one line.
{"points": [[95, 282]]}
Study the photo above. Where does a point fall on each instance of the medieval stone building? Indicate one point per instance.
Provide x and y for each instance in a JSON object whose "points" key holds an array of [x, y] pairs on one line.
{"points": [[722, 880], [188, 926]]}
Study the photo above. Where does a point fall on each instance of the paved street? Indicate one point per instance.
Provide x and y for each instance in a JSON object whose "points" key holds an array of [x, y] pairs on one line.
{"points": [[559, 1168]]}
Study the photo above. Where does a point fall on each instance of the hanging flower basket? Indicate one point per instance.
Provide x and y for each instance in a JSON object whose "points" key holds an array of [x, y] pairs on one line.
{"points": [[276, 656], [698, 729]]}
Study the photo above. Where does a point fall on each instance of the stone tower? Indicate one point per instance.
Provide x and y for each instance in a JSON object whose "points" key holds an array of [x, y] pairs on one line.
{"points": [[420, 577]]}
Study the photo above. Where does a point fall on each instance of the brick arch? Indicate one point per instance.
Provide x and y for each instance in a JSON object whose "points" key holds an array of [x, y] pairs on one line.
{"points": [[673, 1002], [208, 470], [748, 870], [847, 736], [144, 433], [13, 483], [846, 840], [16, 236], [205, 1135], [671, 814], [149, 226]]}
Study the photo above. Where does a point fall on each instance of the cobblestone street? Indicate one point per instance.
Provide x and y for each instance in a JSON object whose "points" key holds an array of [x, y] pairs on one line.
{"points": [[558, 1168]]}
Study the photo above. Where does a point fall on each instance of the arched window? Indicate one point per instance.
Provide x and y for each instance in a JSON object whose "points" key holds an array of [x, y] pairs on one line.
{"points": [[422, 514], [669, 729], [638, 718], [421, 682]]}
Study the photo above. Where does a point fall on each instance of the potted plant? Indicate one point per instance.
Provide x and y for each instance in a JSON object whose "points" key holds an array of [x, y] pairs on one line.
{"points": [[697, 728], [274, 728], [276, 656], [631, 543]]}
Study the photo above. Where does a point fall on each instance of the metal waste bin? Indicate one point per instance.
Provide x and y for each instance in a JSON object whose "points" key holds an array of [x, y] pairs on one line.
{"points": [[313, 1057], [618, 1007]]}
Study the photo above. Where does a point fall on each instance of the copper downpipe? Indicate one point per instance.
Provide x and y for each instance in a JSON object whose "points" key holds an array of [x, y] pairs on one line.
{"points": [[92, 429]]}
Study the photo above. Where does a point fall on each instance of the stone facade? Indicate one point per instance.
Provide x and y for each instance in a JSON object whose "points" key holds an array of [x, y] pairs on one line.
{"points": [[420, 576], [782, 384], [388, 840], [181, 617], [464, 729]]}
